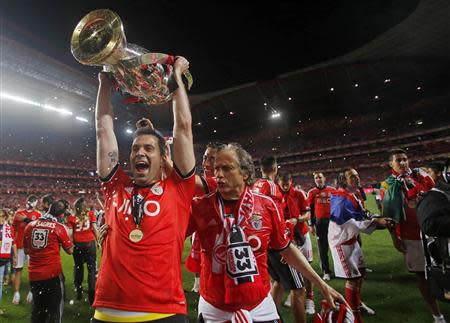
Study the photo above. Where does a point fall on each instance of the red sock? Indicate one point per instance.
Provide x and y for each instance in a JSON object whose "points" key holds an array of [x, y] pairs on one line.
{"points": [[352, 296], [310, 294]]}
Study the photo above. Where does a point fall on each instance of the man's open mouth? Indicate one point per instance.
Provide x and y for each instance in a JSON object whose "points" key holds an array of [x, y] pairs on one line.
{"points": [[141, 166]]}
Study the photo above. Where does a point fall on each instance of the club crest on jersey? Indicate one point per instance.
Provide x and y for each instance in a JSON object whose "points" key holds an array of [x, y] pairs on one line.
{"points": [[157, 189], [129, 190], [256, 221]]}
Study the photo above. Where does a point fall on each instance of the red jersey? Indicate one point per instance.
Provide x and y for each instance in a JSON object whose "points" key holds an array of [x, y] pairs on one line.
{"points": [[268, 188], [144, 276], [209, 185], [409, 228], [19, 226], [319, 201], [42, 240], [290, 205], [264, 229], [82, 232]]}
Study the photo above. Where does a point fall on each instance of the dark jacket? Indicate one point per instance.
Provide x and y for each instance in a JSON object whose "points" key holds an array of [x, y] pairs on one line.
{"points": [[433, 211]]}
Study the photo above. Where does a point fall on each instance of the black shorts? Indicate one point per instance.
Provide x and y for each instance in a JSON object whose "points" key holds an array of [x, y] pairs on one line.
{"points": [[283, 273]]}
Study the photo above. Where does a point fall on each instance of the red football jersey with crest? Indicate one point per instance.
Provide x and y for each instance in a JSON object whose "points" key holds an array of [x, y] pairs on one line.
{"points": [[320, 200], [264, 229], [43, 239], [268, 188], [82, 232], [19, 226], [144, 276]]}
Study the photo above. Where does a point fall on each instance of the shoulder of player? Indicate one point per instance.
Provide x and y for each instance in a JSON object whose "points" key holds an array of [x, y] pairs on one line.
{"points": [[264, 198]]}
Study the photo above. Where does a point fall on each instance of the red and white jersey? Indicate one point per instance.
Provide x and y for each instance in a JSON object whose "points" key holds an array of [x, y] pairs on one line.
{"points": [[268, 188], [290, 206], [82, 231], [7, 235], [209, 185], [144, 276], [42, 240], [264, 229], [319, 200], [300, 196], [19, 226]]}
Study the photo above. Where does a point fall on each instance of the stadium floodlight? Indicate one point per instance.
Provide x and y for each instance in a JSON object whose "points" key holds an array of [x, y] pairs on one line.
{"points": [[356, 84], [275, 115], [20, 99], [82, 119]]}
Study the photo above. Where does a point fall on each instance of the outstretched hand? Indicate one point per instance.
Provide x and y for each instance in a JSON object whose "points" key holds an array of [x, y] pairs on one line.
{"points": [[332, 296]]}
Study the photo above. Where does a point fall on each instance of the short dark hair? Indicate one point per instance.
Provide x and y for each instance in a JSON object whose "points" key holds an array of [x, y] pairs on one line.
{"points": [[268, 163], [32, 198], [396, 151], [436, 166], [245, 161], [58, 208], [285, 177], [215, 145], [152, 132], [48, 199]]}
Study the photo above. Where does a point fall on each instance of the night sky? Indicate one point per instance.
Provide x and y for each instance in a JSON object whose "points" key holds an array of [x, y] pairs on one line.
{"points": [[227, 43]]}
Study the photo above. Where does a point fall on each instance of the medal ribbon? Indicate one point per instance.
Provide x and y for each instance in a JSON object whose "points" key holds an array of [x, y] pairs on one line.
{"points": [[137, 207]]}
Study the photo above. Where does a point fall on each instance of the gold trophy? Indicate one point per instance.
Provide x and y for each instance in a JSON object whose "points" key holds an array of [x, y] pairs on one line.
{"points": [[144, 77]]}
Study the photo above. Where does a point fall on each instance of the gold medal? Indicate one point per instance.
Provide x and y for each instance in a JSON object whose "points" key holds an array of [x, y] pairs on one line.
{"points": [[136, 235]]}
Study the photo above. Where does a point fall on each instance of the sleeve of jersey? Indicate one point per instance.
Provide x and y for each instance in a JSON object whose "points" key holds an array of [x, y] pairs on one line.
{"points": [[115, 178], [278, 237], [63, 237], [185, 183], [92, 217], [302, 202], [27, 237]]}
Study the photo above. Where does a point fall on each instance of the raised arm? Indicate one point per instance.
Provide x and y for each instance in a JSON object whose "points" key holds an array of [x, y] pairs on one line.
{"points": [[183, 148], [107, 149]]}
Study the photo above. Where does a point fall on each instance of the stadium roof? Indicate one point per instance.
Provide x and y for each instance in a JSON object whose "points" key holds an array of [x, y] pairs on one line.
{"points": [[298, 58]]}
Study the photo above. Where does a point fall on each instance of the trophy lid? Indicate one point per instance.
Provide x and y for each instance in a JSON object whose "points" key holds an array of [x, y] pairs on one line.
{"points": [[97, 36]]}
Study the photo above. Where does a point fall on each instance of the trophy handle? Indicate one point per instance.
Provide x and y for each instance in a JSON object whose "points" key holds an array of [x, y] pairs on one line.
{"points": [[159, 58]]}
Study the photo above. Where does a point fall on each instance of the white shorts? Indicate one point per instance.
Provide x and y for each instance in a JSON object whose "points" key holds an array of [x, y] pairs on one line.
{"points": [[348, 260], [414, 256], [22, 259], [306, 248], [265, 311]]}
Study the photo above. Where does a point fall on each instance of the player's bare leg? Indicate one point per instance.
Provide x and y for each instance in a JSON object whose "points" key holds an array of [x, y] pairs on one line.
{"points": [[298, 305], [16, 283], [277, 292]]}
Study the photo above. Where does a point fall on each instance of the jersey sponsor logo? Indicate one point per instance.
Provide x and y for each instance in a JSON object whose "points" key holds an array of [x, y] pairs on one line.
{"points": [[39, 238], [256, 221], [151, 207]]}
